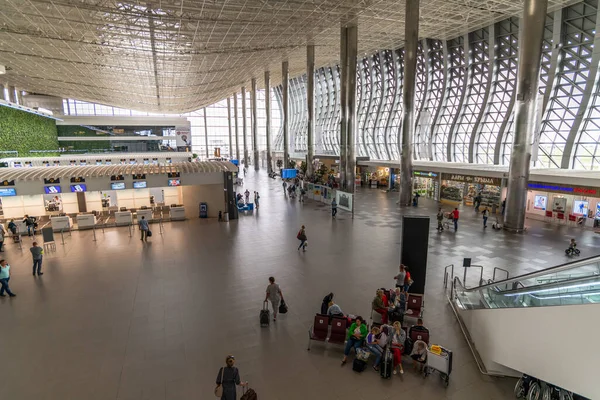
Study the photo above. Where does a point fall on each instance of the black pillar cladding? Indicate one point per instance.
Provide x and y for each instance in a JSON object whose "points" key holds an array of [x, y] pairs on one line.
{"points": [[415, 244], [230, 203]]}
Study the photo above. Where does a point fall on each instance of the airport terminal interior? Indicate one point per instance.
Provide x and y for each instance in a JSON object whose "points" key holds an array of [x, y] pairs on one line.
{"points": [[295, 199]]}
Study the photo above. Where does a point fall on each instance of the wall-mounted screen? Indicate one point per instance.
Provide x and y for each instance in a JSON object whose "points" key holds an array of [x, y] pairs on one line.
{"points": [[78, 188], [174, 182], [8, 192], [540, 202], [580, 207], [140, 185], [117, 185], [52, 189]]}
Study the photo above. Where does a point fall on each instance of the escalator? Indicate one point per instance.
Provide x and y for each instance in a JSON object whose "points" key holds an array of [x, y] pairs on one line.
{"points": [[544, 324]]}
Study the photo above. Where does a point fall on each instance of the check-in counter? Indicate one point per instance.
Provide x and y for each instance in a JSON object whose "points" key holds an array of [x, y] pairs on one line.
{"points": [[147, 214], [86, 221], [177, 213], [61, 223], [123, 218]]}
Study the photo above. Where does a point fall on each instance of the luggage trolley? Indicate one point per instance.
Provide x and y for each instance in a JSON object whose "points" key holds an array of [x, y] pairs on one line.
{"points": [[438, 359]]}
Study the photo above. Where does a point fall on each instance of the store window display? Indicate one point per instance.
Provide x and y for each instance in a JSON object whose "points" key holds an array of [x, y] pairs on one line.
{"points": [[465, 188]]}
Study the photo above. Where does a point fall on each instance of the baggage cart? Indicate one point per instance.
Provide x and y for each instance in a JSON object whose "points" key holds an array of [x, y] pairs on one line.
{"points": [[438, 359]]}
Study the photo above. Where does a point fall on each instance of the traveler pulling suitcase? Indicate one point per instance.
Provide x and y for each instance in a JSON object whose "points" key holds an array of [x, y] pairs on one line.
{"points": [[265, 315], [387, 364]]}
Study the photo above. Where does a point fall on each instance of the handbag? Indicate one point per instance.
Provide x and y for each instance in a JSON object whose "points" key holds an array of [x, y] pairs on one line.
{"points": [[283, 308], [149, 233], [219, 388], [362, 354]]}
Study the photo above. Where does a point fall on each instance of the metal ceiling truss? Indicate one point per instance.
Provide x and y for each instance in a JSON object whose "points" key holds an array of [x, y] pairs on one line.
{"points": [[465, 95]]}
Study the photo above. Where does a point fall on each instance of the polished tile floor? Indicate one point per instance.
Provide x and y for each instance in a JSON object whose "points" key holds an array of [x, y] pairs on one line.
{"points": [[120, 319]]}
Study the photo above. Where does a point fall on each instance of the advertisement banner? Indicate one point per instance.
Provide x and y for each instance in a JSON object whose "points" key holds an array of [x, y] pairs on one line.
{"points": [[344, 200], [326, 195], [559, 204], [183, 140], [317, 193]]}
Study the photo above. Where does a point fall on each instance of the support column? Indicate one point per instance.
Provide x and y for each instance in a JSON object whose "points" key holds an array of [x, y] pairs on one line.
{"points": [[351, 55], [530, 53], [206, 133], [285, 92], [343, 105], [254, 126], [2, 92], [310, 103], [268, 119], [411, 43], [19, 96], [229, 125], [237, 136], [244, 126]]}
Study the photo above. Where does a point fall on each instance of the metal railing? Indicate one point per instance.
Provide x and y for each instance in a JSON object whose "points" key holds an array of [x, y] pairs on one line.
{"points": [[496, 269], [451, 266]]}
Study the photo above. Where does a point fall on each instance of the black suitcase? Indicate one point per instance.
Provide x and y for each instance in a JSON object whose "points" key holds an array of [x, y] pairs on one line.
{"points": [[265, 315], [359, 365], [387, 364]]}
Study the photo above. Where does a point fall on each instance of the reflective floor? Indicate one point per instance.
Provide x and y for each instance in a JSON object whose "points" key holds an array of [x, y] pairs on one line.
{"points": [[120, 319]]}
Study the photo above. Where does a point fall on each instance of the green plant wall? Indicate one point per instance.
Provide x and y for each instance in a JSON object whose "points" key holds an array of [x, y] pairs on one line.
{"points": [[77, 130], [22, 131]]}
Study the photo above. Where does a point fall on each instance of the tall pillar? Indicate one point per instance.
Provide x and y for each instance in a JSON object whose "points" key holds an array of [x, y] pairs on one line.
{"points": [[254, 126], [351, 55], [530, 52], [11, 94], [411, 42], [343, 105], [206, 134], [2, 92], [244, 126], [285, 91], [19, 96], [229, 125], [310, 103], [268, 119], [237, 136]]}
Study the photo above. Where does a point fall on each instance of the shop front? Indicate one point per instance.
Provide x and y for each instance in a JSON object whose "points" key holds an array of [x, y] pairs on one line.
{"points": [[564, 204], [426, 184], [457, 189]]}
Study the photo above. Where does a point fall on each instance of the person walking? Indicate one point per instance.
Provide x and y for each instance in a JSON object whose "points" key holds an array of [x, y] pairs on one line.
{"points": [[302, 193], [274, 295], [302, 237], [4, 278], [227, 380], [333, 208], [37, 253], [455, 215], [485, 214], [440, 220], [477, 202], [30, 223], [284, 184], [401, 277], [247, 195], [503, 206], [144, 228], [2, 235], [256, 199]]}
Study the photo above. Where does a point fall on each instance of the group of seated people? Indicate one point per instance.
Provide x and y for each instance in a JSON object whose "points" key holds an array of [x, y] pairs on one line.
{"points": [[385, 336]]}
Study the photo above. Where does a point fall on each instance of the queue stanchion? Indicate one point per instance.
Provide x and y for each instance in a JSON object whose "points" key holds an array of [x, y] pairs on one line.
{"points": [[130, 234], [160, 225], [95, 232], [19, 237]]}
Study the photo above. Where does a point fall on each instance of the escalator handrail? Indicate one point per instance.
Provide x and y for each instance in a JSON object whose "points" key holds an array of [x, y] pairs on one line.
{"points": [[553, 285], [551, 270]]}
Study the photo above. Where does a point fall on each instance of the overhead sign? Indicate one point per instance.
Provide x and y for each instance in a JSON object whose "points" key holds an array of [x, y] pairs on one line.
{"points": [[425, 174], [485, 180], [117, 178], [173, 174], [563, 189], [49, 181], [139, 176], [8, 183], [78, 179]]}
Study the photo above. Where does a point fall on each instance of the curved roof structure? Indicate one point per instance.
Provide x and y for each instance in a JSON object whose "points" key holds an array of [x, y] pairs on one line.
{"points": [[181, 55], [39, 173]]}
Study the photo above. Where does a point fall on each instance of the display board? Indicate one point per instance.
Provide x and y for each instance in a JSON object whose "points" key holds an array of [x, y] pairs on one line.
{"points": [[414, 248], [344, 200], [559, 204]]}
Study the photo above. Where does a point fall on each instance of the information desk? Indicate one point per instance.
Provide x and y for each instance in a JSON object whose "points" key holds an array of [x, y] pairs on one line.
{"points": [[177, 213], [86, 221], [123, 218], [61, 223], [147, 214]]}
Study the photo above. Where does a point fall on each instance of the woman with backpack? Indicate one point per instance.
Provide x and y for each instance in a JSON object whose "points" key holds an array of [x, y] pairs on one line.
{"points": [[302, 238]]}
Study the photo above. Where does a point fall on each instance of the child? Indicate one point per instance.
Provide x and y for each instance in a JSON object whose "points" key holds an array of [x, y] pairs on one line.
{"points": [[220, 216], [573, 244]]}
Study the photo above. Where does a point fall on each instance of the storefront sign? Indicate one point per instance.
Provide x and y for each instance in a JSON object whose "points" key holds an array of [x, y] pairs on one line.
{"points": [[563, 189], [425, 174], [472, 179]]}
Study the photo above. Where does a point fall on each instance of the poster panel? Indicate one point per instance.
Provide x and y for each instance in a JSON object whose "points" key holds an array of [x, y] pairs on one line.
{"points": [[559, 204], [344, 200]]}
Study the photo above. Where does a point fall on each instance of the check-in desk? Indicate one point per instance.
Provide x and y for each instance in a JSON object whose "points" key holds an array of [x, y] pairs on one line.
{"points": [[147, 214], [123, 218], [177, 213], [61, 223], [86, 221]]}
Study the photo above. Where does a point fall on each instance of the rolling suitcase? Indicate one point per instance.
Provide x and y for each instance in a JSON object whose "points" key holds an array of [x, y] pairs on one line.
{"points": [[387, 364], [265, 315]]}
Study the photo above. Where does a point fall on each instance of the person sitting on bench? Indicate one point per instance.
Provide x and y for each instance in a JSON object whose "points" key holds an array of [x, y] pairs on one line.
{"points": [[356, 335], [334, 310], [418, 327], [376, 342], [379, 306]]}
